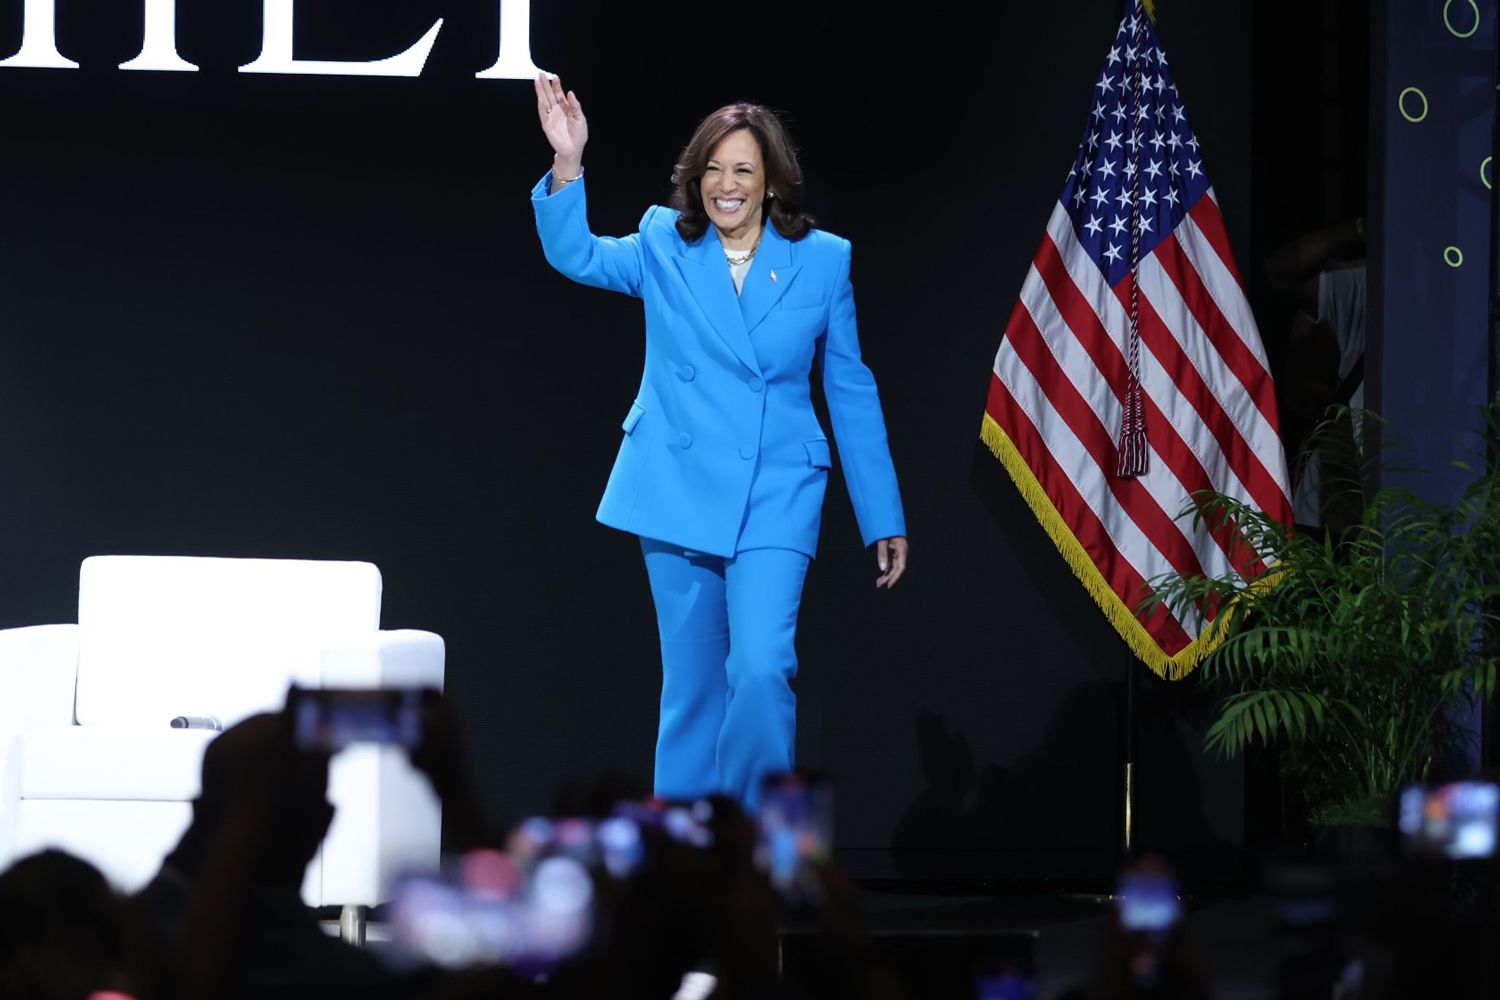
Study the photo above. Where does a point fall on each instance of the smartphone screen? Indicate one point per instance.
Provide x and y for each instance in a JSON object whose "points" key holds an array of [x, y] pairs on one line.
{"points": [[1148, 901], [685, 822], [796, 829], [1457, 821], [467, 918], [331, 719], [620, 846], [1005, 985]]}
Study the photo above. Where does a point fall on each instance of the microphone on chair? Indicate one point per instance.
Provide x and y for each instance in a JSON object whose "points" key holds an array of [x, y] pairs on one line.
{"points": [[198, 722]]}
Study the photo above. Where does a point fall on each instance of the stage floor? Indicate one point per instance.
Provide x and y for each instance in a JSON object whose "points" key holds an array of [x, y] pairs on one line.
{"points": [[1231, 932]]}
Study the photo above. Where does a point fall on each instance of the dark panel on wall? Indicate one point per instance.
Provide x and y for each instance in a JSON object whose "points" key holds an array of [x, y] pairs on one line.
{"points": [[1433, 101]]}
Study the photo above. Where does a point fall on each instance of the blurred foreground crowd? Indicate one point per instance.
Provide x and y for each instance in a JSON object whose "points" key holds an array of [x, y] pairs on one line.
{"points": [[622, 896]]}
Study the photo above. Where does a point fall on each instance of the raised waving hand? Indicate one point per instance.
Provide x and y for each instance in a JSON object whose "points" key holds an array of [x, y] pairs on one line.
{"points": [[563, 124]]}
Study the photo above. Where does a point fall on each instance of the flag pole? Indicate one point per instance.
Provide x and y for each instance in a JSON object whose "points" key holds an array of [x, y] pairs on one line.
{"points": [[1127, 840], [1132, 446]]}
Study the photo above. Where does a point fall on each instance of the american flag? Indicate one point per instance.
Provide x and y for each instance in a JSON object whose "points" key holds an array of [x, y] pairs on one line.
{"points": [[1132, 319]]}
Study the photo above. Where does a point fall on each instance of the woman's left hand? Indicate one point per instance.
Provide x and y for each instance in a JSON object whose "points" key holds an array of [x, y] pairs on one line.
{"points": [[890, 554]]}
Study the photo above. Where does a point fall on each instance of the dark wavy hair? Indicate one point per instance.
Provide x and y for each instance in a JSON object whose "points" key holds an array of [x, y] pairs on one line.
{"points": [[778, 155]]}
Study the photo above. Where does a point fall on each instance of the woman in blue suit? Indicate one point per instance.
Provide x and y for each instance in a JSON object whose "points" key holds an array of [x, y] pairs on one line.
{"points": [[723, 465]]}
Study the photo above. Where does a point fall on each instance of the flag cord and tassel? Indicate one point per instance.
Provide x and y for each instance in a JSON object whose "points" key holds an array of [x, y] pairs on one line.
{"points": [[1132, 449]]}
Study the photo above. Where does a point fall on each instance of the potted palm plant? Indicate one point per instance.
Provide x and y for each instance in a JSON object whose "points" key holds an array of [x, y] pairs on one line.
{"points": [[1357, 656]]}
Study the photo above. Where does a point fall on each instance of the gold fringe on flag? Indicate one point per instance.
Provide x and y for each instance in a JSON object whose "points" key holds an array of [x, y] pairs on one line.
{"points": [[1120, 615]]}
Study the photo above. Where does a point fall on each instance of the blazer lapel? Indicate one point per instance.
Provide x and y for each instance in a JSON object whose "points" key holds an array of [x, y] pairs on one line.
{"points": [[770, 273], [708, 279]]}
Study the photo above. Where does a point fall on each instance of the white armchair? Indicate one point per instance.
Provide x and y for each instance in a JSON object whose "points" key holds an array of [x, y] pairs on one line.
{"points": [[89, 762]]}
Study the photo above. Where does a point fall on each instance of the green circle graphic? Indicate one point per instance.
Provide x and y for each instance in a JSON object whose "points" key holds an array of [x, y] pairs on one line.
{"points": [[1453, 257], [1449, 24], [1401, 104], [1486, 172]]}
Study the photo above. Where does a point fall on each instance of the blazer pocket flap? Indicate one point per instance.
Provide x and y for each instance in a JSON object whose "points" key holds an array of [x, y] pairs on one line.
{"points": [[632, 418], [817, 453]]}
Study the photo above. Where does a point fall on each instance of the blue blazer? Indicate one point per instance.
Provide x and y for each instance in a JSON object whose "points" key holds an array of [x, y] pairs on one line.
{"points": [[722, 450]]}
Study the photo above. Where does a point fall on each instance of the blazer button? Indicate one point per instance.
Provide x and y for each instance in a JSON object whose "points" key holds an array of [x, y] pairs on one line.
{"points": [[747, 452], [686, 373], [756, 385], [684, 440]]}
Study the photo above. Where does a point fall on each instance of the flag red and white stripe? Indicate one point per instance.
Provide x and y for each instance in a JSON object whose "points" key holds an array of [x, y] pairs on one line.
{"points": [[1059, 389]]}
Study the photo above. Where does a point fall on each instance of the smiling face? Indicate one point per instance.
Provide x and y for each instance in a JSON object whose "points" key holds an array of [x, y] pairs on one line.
{"points": [[734, 188]]}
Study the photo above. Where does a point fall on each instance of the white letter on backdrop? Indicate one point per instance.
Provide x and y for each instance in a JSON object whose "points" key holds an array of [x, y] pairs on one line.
{"points": [[276, 51], [515, 44], [159, 48], [39, 39]]}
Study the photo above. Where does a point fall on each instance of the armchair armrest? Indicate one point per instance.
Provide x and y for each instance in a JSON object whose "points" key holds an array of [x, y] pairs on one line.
{"points": [[38, 677], [38, 673], [401, 658]]}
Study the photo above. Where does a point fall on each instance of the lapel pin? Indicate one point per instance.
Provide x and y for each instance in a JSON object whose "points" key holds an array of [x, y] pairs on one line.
{"points": [[773, 275]]}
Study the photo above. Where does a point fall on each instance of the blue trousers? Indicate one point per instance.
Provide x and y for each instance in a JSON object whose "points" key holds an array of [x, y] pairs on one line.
{"points": [[728, 629]]}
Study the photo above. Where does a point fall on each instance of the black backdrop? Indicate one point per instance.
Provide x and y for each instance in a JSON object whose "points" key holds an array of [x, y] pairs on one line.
{"points": [[309, 317]]}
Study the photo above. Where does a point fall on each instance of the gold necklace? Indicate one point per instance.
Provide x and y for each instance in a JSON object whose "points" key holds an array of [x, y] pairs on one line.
{"points": [[746, 258]]}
